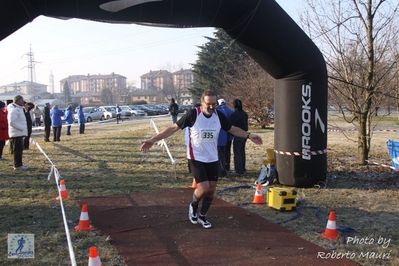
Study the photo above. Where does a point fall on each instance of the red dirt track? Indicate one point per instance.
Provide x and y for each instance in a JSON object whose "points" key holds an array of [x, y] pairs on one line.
{"points": [[152, 228]]}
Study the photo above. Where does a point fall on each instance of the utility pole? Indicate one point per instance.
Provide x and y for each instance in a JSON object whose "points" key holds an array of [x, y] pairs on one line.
{"points": [[31, 72]]}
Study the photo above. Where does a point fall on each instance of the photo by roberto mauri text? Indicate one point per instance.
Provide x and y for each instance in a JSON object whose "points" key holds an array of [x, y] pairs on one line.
{"points": [[381, 242]]}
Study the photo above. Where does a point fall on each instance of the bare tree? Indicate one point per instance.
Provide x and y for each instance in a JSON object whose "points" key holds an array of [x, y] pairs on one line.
{"points": [[357, 38], [107, 97], [121, 94], [173, 88], [255, 88]]}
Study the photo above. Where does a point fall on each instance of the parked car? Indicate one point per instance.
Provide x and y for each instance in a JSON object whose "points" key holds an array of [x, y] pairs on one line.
{"points": [[185, 108], [148, 111], [138, 110], [161, 110], [126, 111], [109, 112], [165, 107], [91, 113]]}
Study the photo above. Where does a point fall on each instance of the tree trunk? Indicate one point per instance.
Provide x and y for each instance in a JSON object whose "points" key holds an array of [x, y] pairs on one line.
{"points": [[363, 140]]}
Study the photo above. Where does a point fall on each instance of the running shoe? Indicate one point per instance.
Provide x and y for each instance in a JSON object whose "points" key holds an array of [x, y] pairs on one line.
{"points": [[193, 217], [205, 223]]}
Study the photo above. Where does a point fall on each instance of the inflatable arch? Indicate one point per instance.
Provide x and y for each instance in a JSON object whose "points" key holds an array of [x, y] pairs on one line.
{"points": [[260, 27]]}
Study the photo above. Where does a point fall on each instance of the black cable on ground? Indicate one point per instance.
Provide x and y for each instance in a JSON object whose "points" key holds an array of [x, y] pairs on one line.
{"points": [[343, 230], [235, 188]]}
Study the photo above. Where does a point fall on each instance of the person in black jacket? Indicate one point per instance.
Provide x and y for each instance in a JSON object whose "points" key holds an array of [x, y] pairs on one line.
{"points": [[29, 123], [173, 110], [47, 122], [239, 118]]}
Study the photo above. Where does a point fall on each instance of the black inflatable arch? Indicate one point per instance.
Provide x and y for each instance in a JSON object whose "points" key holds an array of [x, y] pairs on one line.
{"points": [[262, 28]]}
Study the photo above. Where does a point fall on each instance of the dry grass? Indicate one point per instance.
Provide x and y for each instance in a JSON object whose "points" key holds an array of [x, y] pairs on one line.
{"points": [[106, 160]]}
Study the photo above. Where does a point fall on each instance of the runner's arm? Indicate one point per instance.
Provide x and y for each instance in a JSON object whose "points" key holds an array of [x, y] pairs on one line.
{"points": [[238, 132], [146, 144]]}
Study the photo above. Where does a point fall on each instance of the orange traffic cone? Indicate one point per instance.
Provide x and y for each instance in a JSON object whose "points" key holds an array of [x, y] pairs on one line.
{"points": [[194, 185], [331, 232], [64, 192], [84, 223], [94, 259], [258, 198]]}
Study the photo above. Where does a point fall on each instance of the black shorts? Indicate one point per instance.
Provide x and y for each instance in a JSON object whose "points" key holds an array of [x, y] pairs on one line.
{"points": [[204, 171]]}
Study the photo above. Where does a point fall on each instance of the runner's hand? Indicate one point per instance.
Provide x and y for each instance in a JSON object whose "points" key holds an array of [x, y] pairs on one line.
{"points": [[255, 139], [146, 145]]}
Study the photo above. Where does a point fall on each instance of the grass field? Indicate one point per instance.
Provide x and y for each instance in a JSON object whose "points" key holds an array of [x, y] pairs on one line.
{"points": [[106, 160]]}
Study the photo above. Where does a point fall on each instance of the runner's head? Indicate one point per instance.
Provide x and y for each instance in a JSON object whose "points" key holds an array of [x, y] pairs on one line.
{"points": [[208, 102]]}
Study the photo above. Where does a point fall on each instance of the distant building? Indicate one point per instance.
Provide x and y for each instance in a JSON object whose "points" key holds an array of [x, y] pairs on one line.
{"points": [[156, 80], [51, 82], [150, 96], [182, 81], [172, 85], [87, 99], [7, 96], [93, 83], [24, 87], [52, 102]]}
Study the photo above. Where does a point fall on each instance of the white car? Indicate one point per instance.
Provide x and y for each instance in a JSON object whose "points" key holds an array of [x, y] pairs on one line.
{"points": [[136, 111], [109, 112], [92, 113], [126, 111]]}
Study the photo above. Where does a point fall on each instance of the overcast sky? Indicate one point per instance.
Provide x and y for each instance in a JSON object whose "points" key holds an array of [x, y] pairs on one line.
{"points": [[80, 47]]}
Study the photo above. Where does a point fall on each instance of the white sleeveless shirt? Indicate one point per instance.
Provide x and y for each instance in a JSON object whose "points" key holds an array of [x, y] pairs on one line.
{"points": [[203, 138]]}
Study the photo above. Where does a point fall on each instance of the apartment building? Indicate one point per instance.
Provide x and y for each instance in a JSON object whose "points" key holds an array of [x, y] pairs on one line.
{"points": [[182, 81], [93, 83], [173, 85], [158, 80]]}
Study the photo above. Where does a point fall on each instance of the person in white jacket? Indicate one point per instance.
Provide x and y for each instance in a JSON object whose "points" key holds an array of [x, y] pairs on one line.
{"points": [[17, 130]]}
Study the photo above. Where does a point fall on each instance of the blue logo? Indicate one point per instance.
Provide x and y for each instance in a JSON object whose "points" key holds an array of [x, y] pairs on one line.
{"points": [[21, 246]]}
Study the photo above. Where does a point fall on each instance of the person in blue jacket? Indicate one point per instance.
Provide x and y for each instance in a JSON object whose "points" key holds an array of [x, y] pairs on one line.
{"points": [[68, 119], [56, 122], [81, 120], [223, 138]]}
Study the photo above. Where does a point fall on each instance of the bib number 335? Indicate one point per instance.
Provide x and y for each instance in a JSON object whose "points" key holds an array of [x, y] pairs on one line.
{"points": [[208, 135]]}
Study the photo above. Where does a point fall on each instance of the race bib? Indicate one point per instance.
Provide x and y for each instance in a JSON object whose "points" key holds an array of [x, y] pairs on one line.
{"points": [[208, 135]]}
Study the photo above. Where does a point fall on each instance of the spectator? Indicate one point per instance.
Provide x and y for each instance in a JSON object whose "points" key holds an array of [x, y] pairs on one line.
{"points": [[11, 148], [37, 115], [56, 122], [17, 130], [204, 123], [47, 122], [224, 136], [228, 146], [68, 119], [28, 114], [81, 120], [173, 110], [3, 128], [118, 112], [239, 118]]}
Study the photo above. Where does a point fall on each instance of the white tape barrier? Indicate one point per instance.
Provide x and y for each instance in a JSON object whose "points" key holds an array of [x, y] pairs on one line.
{"points": [[163, 143], [57, 177], [383, 165], [41, 150]]}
